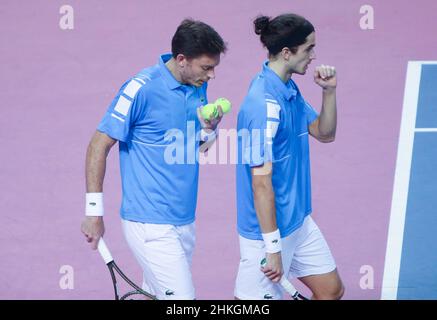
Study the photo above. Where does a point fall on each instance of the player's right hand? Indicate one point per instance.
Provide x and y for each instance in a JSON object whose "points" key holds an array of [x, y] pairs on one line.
{"points": [[326, 77], [211, 123], [93, 228], [273, 268]]}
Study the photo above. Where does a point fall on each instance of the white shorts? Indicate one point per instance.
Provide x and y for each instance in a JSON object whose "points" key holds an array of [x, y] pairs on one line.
{"points": [[165, 253], [304, 252]]}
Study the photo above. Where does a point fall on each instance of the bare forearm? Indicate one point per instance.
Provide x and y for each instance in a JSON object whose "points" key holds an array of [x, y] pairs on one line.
{"points": [[328, 114], [95, 170], [96, 164], [264, 200]]}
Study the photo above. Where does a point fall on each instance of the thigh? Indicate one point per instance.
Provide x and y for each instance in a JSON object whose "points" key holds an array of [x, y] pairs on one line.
{"points": [[312, 255], [314, 264], [158, 249]]}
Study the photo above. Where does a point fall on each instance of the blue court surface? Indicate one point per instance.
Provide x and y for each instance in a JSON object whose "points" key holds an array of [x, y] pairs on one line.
{"points": [[411, 258]]}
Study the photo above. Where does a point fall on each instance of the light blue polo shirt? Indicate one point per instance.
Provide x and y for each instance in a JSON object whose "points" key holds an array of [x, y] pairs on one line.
{"points": [[154, 118], [273, 127]]}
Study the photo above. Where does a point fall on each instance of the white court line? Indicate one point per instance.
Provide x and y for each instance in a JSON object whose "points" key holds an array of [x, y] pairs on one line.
{"points": [[401, 183], [426, 130], [424, 62]]}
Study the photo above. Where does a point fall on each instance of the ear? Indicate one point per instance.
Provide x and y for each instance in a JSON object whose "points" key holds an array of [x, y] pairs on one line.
{"points": [[181, 60], [286, 53]]}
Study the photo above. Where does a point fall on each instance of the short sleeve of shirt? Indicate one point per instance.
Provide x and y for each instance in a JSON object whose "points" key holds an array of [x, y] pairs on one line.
{"points": [[260, 124], [310, 113], [126, 108]]}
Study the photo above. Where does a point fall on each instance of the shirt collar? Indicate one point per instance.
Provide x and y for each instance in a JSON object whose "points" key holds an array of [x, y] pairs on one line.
{"points": [[168, 76], [286, 89]]}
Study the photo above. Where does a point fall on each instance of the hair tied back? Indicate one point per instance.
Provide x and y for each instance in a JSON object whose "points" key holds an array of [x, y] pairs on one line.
{"points": [[261, 24]]}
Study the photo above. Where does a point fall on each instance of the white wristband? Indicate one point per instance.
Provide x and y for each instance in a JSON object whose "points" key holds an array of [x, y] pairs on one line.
{"points": [[94, 204], [204, 136], [272, 240]]}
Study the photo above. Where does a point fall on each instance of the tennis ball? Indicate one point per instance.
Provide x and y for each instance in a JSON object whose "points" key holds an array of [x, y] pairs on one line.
{"points": [[209, 111], [224, 103]]}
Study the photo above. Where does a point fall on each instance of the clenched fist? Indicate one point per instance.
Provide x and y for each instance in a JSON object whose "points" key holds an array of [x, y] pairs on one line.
{"points": [[325, 76]]}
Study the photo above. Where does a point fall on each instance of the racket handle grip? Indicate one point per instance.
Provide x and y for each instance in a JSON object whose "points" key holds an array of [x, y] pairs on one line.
{"points": [[104, 251], [287, 286]]}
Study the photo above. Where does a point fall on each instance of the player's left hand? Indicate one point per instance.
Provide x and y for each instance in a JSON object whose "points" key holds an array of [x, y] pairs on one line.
{"points": [[325, 76], [211, 123]]}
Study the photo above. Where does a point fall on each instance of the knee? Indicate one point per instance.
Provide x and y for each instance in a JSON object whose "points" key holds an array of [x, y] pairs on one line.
{"points": [[339, 293], [334, 293]]}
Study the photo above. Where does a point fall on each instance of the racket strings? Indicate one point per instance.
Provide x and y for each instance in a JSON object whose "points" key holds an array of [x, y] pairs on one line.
{"points": [[137, 290]]}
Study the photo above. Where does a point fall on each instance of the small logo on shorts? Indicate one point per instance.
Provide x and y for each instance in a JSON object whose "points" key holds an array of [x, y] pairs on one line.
{"points": [[169, 293], [268, 296], [92, 203], [275, 241]]}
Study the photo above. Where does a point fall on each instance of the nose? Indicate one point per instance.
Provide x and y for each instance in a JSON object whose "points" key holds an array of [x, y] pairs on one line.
{"points": [[211, 74], [312, 55]]}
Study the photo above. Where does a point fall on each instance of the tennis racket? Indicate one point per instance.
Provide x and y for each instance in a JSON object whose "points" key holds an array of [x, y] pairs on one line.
{"points": [[287, 286], [137, 293]]}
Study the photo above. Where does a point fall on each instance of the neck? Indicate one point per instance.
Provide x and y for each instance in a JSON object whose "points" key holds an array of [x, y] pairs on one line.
{"points": [[172, 67], [279, 68]]}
